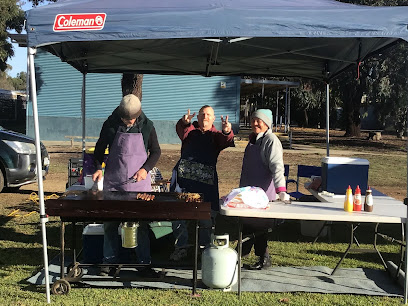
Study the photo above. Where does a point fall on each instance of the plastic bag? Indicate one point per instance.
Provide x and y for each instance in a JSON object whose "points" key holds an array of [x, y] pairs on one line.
{"points": [[247, 197]]}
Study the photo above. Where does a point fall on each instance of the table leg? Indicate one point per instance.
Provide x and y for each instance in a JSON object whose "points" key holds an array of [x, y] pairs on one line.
{"points": [[195, 259], [62, 253], [353, 228], [239, 254], [74, 242], [406, 263], [376, 234]]}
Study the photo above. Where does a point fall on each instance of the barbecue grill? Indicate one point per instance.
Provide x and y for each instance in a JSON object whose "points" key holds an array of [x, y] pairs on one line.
{"points": [[90, 206]]}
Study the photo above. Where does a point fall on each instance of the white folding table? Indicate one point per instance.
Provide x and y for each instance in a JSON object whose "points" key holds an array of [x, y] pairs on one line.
{"points": [[386, 210]]}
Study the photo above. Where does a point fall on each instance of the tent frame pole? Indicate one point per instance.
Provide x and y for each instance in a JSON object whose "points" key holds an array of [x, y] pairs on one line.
{"points": [[83, 111], [286, 109], [43, 216], [327, 118], [406, 238]]}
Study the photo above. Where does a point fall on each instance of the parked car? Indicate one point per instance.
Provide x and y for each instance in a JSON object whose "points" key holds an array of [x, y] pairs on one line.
{"points": [[18, 159]]}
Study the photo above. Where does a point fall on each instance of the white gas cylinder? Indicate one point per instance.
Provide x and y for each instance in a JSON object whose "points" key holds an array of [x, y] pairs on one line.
{"points": [[219, 263]]}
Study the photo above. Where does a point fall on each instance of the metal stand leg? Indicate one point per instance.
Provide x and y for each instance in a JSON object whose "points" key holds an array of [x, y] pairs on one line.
{"points": [[74, 242], [62, 253], [321, 230], [353, 228], [239, 255], [195, 260], [376, 234]]}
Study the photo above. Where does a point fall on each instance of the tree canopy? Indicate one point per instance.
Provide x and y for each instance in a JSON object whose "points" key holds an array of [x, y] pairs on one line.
{"points": [[11, 18]]}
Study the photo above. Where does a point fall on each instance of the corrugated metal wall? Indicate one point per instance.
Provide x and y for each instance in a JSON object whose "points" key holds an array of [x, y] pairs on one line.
{"points": [[165, 98]]}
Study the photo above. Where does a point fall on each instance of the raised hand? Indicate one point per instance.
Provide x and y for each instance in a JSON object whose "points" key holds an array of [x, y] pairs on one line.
{"points": [[187, 117], [226, 126]]}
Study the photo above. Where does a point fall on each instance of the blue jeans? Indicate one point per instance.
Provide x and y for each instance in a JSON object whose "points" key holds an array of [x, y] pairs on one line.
{"points": [[112, 243], [180, 231]]}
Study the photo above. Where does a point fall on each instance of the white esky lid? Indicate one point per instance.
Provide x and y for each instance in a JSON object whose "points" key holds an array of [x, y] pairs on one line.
{"points": [[345, 161]]}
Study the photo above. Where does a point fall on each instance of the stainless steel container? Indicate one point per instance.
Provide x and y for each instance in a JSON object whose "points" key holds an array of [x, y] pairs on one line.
{"points": [[129, 234]]}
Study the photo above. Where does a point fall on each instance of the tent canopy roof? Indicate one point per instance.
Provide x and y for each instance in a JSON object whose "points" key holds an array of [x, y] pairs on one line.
{"points": [[309, 38]]}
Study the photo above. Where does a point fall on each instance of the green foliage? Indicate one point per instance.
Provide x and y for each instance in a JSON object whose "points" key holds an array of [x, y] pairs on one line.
{"points": [[386, 87], [308, 105], [20, 82], [37, 2], [11, 18], [9, 83]]}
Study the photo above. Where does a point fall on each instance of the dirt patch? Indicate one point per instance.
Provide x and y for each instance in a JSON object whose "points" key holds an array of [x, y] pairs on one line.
{"points": [[228, 167]]}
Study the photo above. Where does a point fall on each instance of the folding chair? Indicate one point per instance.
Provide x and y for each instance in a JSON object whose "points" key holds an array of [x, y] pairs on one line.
{"points": [[286, 173], [158, 184], [303, 171]]}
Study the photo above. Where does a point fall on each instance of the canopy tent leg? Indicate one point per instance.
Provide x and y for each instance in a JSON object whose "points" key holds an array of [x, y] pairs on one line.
{"points": [[327, 119], [83, 112], [406, 241], [286, 109], [43, 216], [277, 107], [289, 129]]}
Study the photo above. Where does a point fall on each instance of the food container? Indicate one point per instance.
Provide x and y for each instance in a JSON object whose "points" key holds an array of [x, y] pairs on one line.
{"points": [[92, 243], [129, 234], [340, 172], [89, 183]]}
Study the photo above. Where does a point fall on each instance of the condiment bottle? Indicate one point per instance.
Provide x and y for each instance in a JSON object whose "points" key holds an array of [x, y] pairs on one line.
{"points": [[348, 201], [357, 199], [368, 202]]}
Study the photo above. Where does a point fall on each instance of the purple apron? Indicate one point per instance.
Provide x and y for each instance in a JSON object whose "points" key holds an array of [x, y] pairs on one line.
{"points": [[255, 173], [127, 154]]}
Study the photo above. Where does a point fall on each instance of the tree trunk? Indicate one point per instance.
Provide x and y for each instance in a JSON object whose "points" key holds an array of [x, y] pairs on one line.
{"points": [[306, 123], [132, 84], [352, 108]]}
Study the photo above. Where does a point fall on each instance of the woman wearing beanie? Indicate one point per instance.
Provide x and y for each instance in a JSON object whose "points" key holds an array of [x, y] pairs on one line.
{"points": [[262, 167]]}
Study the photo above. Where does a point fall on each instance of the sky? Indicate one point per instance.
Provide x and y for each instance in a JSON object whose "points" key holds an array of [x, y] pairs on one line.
{"points": [[19, 60]]}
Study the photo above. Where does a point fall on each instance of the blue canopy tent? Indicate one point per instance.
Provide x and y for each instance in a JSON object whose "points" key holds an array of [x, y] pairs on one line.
{"points": [[311, 38]]}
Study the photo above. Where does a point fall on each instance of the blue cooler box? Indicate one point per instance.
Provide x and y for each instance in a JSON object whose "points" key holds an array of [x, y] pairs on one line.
{"points": [[92, 243], [340, 172]]}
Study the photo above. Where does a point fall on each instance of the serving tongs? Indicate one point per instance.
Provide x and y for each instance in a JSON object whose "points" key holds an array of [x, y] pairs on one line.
{"points": [[128, 181]]}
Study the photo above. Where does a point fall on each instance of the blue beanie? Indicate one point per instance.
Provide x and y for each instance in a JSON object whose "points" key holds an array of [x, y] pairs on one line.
{"points": [[265, 115]]}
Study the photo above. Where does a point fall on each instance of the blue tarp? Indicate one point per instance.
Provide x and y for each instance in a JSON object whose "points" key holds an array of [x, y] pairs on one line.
{"points": [[210, 37]]}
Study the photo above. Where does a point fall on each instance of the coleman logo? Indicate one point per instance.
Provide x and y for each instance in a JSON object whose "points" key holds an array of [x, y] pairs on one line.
{"points": [[79, 22]]}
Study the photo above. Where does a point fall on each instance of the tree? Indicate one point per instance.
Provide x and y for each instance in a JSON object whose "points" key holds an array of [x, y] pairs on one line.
{"points": [[20, 82], [381, 79], [132, 84], [11, 18], [387, 89]]}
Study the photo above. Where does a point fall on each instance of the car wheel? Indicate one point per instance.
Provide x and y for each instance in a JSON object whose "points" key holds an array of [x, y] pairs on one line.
{"points": [[1, 180]]}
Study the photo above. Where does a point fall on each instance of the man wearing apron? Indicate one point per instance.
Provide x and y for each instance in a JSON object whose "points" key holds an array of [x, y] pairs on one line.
{"points": [[262, 167], [196, 170], [133, 151]]}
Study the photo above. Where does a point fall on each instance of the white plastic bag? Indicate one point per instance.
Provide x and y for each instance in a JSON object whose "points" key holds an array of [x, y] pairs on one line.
{"points": [[247, 197]]}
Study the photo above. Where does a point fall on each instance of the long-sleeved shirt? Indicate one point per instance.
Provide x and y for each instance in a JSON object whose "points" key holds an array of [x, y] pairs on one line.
{"points": [[220, 139], [114, 124], [272, 156]]}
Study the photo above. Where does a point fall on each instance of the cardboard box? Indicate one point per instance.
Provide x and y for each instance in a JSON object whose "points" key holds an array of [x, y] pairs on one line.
{"points": [[340, 172]]}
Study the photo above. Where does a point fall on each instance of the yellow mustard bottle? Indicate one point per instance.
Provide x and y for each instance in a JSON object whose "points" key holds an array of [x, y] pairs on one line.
{"points": [[348, 201]]}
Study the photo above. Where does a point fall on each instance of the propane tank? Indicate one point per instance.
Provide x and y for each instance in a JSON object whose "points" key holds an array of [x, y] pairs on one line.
{"points": [[219, 263]]}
